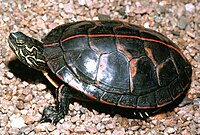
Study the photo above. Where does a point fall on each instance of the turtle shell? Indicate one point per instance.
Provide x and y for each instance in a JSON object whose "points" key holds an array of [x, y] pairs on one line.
{"points": [[118, 63]]}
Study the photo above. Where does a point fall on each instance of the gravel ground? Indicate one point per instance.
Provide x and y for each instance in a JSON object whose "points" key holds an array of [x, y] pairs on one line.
{"points": [[24, 92]]}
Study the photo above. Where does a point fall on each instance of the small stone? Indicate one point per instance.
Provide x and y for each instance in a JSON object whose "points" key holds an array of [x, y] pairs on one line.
{"points": [[103, 17], [110, 126], [75, 118], [124, 122], [169, 130], [9, 95], [105, 120], [130, 132], [155, 122], [134, 128], [92, 129], [81, 2], [41, 86], [197, 58], [13, 131], [80, 130], [9, 75], [162, 127], [26, 91], [28, 98], [108, 132], [96, 119], [119, 131], [185, 132], [69, 8], [159, 116], [29, 119], [41, 24], [55, 132], [20, 105], [18, 123], [44, 18], [168, 122], [25, 83], [122, 11], [197, 119], [27, 130], [100, 126], [89, 3], [67, 125], [3, 120], [185, 124], [190, 7], [182, 23], [21, 98], [51, 127], [41, 127], [180, 11], [61, 5], [6, 19]]}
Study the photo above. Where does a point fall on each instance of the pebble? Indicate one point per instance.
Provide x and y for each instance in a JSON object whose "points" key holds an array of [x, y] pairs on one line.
{"points": [[100, 126], [75, 118], [110, 126], [28, 119], [81, 2], [28, 98], [3, 120], [134, 128], [20, 105], [124, 122], [169, 130], [197, 58], [108, 132], [119, 131], [80, 130], [41, 127], [96, 119], [17, 123], [182, 23], [56, 132], [104, 17], [13, 131], [10, 75], [92, 129], [9, 95], [69, 8], [190, 7], [27, 130], [41, 87], [105, 120]]}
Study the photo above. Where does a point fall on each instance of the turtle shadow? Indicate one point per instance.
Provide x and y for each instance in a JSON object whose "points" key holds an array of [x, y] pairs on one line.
{"points": [[27, 74], [24, 72], [33, 76], [130, 113]]}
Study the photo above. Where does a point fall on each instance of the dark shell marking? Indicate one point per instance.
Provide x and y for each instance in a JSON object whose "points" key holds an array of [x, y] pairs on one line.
{"points": [[118, 63]]}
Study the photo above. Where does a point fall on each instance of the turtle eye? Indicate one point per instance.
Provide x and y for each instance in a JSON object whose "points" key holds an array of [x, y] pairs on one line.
{"points": [[20, 42]]}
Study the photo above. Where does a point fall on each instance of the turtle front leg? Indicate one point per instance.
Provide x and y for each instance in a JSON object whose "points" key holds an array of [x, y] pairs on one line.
{"points": [[62, 105]]}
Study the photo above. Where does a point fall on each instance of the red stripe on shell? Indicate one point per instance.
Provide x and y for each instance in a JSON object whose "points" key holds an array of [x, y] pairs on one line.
{"points": [[120, 36]]}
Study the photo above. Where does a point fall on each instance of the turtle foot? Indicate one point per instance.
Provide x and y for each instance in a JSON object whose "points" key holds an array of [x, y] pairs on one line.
{"points": [[51, 115]]}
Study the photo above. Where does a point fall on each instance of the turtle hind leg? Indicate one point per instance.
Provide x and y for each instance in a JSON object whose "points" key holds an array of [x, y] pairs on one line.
{"points": [[54, 114]]}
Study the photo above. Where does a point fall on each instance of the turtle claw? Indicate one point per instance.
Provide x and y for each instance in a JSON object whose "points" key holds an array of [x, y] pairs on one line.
{"points": [[51, 115], [54, 114]]}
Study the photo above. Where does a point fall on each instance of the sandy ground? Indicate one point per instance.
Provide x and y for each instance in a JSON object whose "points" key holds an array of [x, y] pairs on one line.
{"points": [[24, 92]]}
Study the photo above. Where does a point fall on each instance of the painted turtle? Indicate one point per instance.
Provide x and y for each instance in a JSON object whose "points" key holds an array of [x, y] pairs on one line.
{"points": [[112, 62]]}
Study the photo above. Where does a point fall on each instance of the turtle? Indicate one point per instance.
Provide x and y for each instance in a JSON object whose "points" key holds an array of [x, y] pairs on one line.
{"points": [[111, 62]]}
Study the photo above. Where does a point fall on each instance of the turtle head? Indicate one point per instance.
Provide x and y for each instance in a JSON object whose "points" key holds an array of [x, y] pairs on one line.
{"points": [[28, 50]]}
